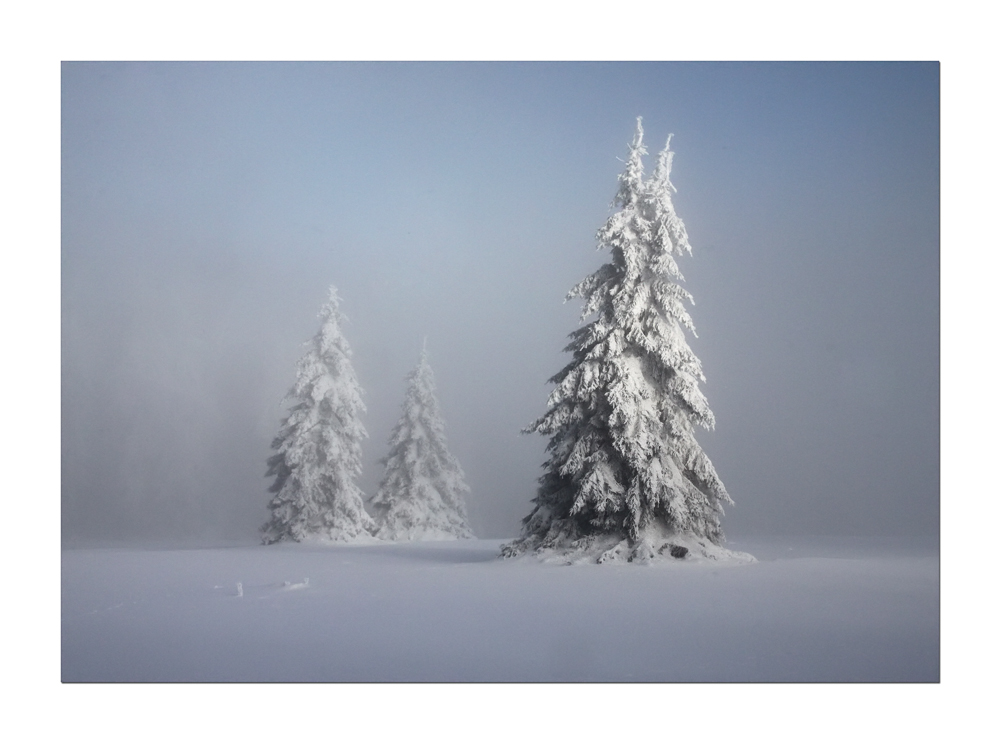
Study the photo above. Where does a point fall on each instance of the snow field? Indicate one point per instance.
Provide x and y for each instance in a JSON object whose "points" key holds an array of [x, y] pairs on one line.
{"points": [[451, 611]]}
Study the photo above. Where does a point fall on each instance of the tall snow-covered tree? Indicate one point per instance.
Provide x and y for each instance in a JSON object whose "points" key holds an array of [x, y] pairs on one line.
{"points": [[625, 477], [422, 493], [317, 458]]}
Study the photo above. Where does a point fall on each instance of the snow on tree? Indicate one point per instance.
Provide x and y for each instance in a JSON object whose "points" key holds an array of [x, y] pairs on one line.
{"points": [[625, 477], [318, 447], [422, 493]]}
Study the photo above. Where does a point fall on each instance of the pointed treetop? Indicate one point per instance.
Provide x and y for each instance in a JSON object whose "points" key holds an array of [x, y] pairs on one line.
{"points": [[670, 235], [664, 163], [637, 139], [630, 180], [332, 305]]}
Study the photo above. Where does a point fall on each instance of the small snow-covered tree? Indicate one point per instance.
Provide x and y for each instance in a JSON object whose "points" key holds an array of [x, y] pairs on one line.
{"points": [[422, 493], [625, 477], [318, 447]]}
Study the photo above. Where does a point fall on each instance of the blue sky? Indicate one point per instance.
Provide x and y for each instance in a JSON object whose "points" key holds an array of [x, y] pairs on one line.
{"points": [[206, 207]]}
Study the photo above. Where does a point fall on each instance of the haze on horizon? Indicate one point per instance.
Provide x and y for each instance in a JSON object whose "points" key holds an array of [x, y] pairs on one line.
{"points": [[206, 208]]}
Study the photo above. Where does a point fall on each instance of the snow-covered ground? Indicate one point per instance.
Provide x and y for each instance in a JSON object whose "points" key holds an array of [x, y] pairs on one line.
{"points": [[450, 611]]}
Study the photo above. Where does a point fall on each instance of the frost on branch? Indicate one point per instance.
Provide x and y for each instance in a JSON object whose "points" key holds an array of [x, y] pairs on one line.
{"points": [[317, 456], [422, 493], [625, 477]]}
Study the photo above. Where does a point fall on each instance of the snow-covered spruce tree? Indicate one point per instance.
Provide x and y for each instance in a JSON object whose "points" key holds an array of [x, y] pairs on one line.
{"points": [[318, 447], [422, 493], [625, 477]]}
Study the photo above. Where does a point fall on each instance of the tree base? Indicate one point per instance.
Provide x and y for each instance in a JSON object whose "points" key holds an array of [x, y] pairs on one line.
{"points": [[421, 535], [654, 545], [334, 536]]}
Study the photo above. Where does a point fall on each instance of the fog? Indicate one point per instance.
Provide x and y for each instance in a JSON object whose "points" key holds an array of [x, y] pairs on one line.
{"points": [[207, 207]]}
